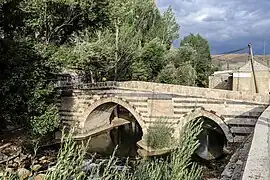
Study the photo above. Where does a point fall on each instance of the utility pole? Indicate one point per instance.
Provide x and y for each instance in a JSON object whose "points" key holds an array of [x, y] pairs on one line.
{"points": [[264, 51], [252, 67]]}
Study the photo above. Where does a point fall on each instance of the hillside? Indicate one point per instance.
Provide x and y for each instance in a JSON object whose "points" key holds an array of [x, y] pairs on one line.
{"points": [[234, 61]]}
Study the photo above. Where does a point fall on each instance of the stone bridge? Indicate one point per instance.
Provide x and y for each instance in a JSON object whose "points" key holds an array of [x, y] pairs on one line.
{"points": [[100, 107]]}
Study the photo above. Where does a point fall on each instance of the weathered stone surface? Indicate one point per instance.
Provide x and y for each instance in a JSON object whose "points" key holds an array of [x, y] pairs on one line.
{"points": [[145, 101], [227, 172], [239, 162], [258, 162], [234, 169]]}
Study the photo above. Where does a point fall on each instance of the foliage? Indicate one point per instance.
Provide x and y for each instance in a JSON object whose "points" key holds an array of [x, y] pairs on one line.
{"points": [[170, 28], [151, 57], [184, 75], [182, 166], [70, 162], [202, 62], [160, 135], [107, 39], [56, 20], [11, 18], [179, 69], [46, 122], [156, 169], [26, 91], [186, 54]]}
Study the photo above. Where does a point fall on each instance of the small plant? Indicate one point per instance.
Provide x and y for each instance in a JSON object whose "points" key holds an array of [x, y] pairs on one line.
{"points": [[160, 135], [45, 123]]}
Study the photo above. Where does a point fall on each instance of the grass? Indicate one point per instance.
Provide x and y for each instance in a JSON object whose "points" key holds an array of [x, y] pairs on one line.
{"points": [[160, 135], [71, 165]]}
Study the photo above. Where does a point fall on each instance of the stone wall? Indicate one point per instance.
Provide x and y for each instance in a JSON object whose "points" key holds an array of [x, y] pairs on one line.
{"points": [[196, 91], [221, 81], [153, 101], [244, 81], [258, 162]]}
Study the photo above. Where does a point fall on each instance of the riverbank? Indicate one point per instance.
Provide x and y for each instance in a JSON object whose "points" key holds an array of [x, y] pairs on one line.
{"points": [[21, 155]]}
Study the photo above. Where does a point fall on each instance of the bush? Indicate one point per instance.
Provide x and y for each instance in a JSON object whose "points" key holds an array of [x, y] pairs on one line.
{"points": [[159, 135], [46, 123], [27, 92], [179, 164]]}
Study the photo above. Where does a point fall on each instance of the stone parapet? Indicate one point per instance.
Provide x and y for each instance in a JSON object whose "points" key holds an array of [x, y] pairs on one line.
{"points": [[258, 162], [196, 91]]}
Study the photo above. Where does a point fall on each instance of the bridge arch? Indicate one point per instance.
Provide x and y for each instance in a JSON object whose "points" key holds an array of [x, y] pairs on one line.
{"points": [[112, 101], [114, 122], [219, 120], [214, 135]]}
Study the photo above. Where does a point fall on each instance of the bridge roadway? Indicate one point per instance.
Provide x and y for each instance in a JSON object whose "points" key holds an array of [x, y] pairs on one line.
{"points": [[91, 106]]}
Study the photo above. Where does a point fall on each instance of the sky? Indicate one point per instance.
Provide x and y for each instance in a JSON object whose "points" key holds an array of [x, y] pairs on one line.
{"points": [[226, 24]]}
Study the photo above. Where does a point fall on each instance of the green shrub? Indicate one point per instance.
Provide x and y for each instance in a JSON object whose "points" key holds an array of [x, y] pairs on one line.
{"points": [[47, 122], [27, 91], [160, 135]]}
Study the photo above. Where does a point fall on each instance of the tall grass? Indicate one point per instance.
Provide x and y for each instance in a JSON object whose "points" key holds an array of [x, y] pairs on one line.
{"points": [[160, 135], [178, 166]]}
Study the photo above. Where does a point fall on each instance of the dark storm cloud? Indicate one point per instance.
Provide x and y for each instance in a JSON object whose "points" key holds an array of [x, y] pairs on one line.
{"points": [[226, 24]]}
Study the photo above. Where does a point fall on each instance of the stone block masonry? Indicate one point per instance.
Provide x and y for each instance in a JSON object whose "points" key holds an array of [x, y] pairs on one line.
{"points": [[258, 162], [149, 102]]}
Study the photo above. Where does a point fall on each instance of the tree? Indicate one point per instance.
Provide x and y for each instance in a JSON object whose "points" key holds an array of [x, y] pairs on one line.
{"points": [[151, 59], [27, 93], [170, 28], [183, 75], [164, 27], [11, 19], [54, 21], [140, 71], [203, 60], [186, 54]]}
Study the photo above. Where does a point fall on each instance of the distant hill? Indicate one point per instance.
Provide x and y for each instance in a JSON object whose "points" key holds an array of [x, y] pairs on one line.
{"points": [[235, 61]]}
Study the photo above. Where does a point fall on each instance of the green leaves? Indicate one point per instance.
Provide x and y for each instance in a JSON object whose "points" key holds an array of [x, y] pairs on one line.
{"points": [[160, 135], [27, 94], [183, 75], [54, 21], [202, 60], [46, 122], [150, 61]]}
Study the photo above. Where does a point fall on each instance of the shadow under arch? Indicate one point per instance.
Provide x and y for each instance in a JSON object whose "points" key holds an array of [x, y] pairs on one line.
{"points": [[117, 123], [215, 133], [111, 101]]}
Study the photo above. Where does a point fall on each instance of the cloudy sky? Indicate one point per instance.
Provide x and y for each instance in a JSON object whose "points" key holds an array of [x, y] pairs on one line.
{"points": [[226, 24]]}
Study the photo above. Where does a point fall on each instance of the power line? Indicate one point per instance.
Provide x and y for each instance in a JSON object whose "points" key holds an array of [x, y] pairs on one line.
{"points": [[230, 52]]}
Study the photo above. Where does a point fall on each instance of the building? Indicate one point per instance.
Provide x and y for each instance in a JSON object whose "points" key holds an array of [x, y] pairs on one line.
{"points": [[242, 79]]}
